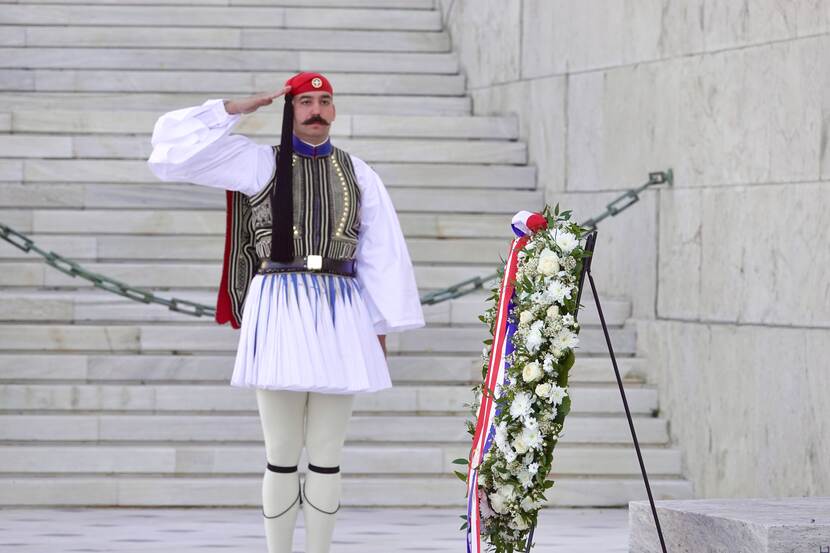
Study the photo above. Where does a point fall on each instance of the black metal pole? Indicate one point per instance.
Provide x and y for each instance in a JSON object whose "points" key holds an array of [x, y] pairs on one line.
{"points": [[624, 399]]}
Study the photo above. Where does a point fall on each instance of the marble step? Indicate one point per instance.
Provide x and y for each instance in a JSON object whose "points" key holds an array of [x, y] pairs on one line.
{"points": [[97, 305], [212, 223], [267, 123], [209, 248], [221, 82], [183, 460], [162, 102], [386, 150], [39, 368], [404, 173], [405, 4], [140, 35], [190, 398], [387, 429], [764, 525], [208, 337], [179, 196], [155, 276], [223, 17], [235, 60], [445, 491]]}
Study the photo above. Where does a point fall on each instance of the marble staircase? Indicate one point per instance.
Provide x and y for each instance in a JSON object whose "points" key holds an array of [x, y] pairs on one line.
{"points": [[104, 401]]}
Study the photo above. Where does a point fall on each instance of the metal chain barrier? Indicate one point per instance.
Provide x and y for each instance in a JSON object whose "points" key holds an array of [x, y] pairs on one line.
{"points": [[463, 288], [623, 202]]}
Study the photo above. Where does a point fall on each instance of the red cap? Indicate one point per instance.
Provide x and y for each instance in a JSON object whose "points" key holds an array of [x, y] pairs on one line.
{"points": [[309, 82]]}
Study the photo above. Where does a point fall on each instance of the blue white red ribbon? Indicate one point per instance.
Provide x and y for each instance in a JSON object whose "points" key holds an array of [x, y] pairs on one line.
{"points": [[524, 223]]}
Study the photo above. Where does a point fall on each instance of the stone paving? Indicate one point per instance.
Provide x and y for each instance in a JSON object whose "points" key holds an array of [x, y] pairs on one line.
{"points": [[241, 530]]}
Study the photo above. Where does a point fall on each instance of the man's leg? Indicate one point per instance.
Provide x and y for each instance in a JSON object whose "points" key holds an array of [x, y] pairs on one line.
{"points": [[281, 413], [328, 417]]}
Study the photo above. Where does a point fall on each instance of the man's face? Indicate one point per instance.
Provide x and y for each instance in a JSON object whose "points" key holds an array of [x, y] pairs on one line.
{"points": [[313, 115]]}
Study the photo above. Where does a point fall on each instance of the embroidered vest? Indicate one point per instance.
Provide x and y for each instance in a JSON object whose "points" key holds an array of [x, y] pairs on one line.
{"points": [[326, 200], [326, 222]]}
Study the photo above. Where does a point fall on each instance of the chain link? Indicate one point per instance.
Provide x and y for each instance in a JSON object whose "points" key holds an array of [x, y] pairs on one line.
{"points": [[463, 288]]}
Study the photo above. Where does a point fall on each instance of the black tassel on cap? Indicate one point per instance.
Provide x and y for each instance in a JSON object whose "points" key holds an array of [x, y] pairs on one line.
{"points": [[282, 198]]}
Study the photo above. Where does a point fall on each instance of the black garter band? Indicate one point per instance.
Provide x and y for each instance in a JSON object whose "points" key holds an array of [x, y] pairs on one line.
{"points": [[277, 468], [324, 470]]}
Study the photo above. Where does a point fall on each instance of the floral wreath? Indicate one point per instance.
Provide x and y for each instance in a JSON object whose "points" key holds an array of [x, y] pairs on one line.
{"points": [[520, 407]]}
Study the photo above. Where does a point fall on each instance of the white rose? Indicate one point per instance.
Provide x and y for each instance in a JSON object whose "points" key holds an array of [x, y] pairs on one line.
{"points": [[525, 317], [520, 445], [532, 372], [548, 262], [543, 389], [497, 502]]}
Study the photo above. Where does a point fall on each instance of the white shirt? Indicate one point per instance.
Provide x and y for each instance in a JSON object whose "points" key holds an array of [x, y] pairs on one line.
{"points": [[195, 145]]}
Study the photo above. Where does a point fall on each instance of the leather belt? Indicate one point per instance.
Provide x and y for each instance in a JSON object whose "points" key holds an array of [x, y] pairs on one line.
{"points": [[309, 263]]}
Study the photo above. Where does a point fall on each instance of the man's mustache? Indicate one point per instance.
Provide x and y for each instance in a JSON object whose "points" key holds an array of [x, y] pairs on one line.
{"points": [[315, 119]]}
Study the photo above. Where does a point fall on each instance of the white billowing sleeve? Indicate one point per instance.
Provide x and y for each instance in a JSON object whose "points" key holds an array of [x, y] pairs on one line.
{"points": [[195, 145], [384, 270]]}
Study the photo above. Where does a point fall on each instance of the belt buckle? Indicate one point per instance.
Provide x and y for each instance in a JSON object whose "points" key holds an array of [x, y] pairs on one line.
{"points": [[314, 262]]}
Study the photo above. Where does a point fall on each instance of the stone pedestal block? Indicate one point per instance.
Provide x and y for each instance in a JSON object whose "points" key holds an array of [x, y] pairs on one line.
{"points": [[787, 525]]}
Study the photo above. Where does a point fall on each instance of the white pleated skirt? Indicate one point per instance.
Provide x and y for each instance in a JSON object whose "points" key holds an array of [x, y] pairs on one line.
{"points": [[308, 332]]}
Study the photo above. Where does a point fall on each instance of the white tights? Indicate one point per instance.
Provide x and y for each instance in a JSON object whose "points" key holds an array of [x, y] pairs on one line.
{"points": [[281, 413]]}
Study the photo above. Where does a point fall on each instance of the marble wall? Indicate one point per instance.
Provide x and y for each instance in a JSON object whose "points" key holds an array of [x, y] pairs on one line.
{"points": [[727, 271]]}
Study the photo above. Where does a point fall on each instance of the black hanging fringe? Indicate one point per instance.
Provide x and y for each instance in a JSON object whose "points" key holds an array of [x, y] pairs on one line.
{"points": [[282, 199]]}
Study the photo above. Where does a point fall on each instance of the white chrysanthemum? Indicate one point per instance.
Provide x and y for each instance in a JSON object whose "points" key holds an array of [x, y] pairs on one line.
{"points": [[521, 405], [525, 316], [566, 241], [533, 340], [501, 435], [548, 263], [533, 468], [557, 394], [532, 372], [525, 478], [547, 363], [565, 340], [532, 437], [557, 291]]}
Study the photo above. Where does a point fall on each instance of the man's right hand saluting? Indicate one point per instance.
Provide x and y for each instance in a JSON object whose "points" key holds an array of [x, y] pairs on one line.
{"points": [[253, 103]]}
